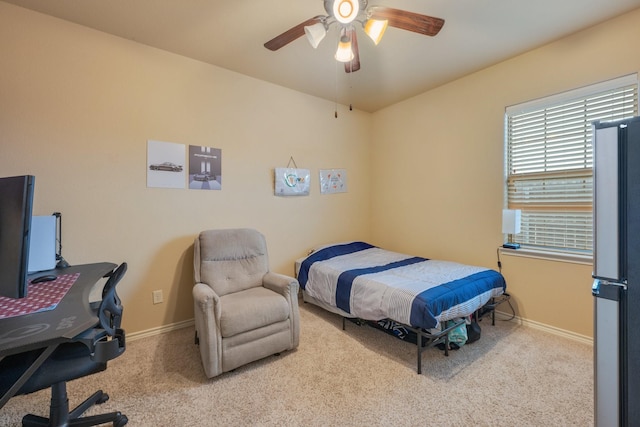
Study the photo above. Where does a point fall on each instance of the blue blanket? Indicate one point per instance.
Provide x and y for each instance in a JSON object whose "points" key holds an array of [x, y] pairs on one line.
{"points": [[374, 284]]}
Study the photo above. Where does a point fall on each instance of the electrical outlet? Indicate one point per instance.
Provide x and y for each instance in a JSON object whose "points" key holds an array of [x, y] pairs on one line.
{"points": [[157, 297]]}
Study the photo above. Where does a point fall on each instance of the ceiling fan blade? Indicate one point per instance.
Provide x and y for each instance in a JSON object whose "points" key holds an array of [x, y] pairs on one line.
{"points": [[353, 65], [290, 35], [422, 24]]}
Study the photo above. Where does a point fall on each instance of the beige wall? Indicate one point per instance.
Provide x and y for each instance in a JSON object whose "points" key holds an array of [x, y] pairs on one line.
{"points": [[76, 110], [438, 167], [425, 176]]}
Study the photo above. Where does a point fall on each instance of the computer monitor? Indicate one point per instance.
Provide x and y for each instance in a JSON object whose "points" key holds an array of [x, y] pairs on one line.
{"points": [[16, 205]]}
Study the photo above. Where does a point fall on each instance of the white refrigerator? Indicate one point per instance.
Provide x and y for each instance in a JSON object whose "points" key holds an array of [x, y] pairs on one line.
{"points": [[616, 272]]}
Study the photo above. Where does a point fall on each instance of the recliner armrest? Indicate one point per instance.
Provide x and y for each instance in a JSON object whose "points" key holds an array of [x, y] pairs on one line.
{"points": [[207, 299], [203, 292], [280, 283]]}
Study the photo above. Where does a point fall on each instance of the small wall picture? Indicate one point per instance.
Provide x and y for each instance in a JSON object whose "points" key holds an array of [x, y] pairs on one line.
{"points": [[205, 168], [165, 164], [333, 181], [292, 181]]}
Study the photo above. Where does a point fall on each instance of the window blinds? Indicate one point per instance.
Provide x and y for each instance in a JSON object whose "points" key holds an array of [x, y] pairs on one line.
{"points": [[549, 161]]}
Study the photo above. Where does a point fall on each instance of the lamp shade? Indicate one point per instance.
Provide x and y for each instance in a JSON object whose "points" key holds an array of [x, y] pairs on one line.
{"points": [[511, 221], [375, 29], [344, 52], [315, 33]]}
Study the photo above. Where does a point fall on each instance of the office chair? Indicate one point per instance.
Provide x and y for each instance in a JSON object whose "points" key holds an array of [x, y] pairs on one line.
{"points": [[86, 355]]}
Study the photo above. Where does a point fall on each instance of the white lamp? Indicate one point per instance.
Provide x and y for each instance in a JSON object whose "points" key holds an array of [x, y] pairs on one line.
{"points": [[344, 52], [511, 219], [315, 33], [375, 28]]}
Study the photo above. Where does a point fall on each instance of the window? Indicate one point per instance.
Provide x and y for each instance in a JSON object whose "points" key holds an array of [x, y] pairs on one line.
{"points": [[549, 163]]}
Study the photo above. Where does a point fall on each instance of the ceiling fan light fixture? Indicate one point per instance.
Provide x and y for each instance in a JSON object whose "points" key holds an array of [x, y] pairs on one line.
{"points": [[315, 33], [345, 11], [375, 29], [344, 52]]}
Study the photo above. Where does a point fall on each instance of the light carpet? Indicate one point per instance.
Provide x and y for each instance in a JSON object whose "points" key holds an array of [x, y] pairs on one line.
{"points": [[513, 376]]}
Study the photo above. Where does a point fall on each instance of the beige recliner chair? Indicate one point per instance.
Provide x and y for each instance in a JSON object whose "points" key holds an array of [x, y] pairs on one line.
{"points": [[243, 312]]}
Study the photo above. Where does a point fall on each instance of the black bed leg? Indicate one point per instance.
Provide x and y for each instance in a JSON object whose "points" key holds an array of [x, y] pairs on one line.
{"points": [[419, 354]]}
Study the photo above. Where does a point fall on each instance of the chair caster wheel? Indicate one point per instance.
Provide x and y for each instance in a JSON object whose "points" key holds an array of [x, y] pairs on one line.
{"points": [[122, 420], [102, 399]]}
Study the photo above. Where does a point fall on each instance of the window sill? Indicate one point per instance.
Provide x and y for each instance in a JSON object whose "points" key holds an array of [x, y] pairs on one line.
{"points": [[526, 252]]}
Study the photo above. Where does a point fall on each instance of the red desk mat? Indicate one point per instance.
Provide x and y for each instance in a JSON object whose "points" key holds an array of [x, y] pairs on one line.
{"points": [[40, 297]]}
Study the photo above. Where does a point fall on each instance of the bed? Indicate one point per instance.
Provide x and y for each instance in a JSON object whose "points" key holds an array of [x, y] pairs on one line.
{"points": [[428, 297]]}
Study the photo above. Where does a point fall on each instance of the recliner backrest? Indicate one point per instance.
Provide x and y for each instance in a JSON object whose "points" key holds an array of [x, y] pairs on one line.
{"points": [[230, 260]]}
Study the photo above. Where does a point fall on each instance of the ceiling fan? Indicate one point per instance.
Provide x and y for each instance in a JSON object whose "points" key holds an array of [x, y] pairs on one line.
{"points": [[345, 13]]}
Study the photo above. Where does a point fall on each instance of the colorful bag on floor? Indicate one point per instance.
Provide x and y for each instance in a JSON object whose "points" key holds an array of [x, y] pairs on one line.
{"points": [[457, 335]]}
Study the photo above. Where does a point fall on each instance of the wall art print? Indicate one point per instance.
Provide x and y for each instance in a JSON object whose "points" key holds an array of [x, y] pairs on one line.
{"points": [[165, 164]]}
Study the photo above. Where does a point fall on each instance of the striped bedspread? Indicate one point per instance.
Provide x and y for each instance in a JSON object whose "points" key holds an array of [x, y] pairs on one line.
{"points": [[374, 284]]}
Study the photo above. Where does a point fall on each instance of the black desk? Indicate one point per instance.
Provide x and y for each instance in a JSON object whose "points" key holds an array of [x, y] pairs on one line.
{"points": [[48, 329]]}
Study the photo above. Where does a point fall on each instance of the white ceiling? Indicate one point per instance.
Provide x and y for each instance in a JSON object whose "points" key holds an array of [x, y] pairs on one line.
{"points": [[231, 34]]}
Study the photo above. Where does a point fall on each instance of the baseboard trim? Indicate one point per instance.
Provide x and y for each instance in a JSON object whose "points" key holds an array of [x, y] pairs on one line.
{"points": [[499, 315], [159, 330], [546, 328]]}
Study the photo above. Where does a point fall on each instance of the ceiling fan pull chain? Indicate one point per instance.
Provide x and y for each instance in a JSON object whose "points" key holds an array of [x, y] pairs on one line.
{"points": [[336, 110], [350, 88]]}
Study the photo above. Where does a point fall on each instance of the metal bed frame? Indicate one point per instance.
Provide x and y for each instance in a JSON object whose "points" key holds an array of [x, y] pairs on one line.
{"points": [[443, 335]]}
